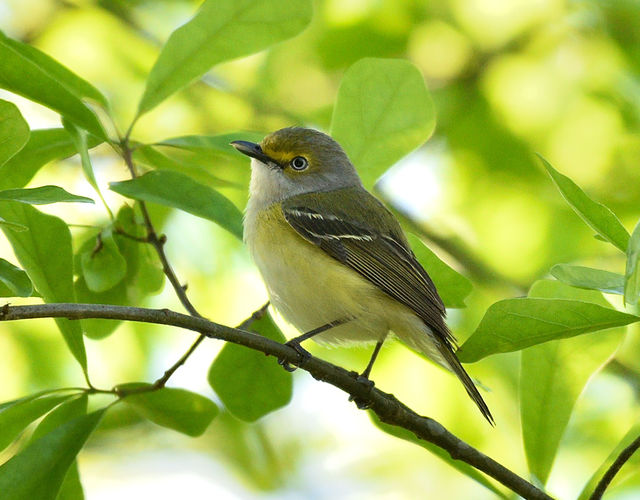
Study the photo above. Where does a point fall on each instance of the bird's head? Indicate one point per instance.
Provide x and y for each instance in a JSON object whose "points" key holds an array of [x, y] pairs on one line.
{"points": [[297, 160]]}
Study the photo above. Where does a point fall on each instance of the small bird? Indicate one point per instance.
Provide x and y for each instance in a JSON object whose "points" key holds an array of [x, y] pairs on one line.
{"points": [[335, 261]]}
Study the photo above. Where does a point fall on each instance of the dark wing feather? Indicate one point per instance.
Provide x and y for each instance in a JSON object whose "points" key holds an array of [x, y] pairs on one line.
{"points": [[383, 259]]}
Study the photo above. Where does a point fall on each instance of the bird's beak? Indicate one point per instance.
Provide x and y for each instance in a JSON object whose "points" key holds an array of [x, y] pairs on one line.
{"points": [[255, 151]]}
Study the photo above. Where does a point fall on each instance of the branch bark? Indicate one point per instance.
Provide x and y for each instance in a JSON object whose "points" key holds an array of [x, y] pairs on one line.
{"points": [[386, 406], [611, 472]]}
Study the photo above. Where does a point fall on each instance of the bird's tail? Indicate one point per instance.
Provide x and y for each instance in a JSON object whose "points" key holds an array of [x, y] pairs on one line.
{"points": [[442, 353]]}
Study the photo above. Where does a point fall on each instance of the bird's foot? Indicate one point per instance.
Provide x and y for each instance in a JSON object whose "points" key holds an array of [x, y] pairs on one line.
{"points": [[363, 403], [303, 357]]}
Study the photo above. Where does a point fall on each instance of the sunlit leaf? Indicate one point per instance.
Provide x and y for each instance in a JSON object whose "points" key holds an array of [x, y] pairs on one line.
{"points": [[383, 112], [462, 467], [632, 273], [14, 131], [587, 277], [221, 30], [16, 417], [177, 409], [514, 324], [33, 74], [14, 281], [45, 253], [179, 191], [452, 286], [43, 146], [13, 226], [249, 383], [552, 376], [42, 195], [38, 471], [596, 215], [103, 267]]}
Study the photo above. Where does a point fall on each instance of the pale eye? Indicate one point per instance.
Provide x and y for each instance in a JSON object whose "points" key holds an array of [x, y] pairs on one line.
{"points": [[299, 163]]}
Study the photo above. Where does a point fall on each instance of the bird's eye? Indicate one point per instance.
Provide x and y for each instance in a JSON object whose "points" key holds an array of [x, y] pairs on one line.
{"points": [[299, 163]]}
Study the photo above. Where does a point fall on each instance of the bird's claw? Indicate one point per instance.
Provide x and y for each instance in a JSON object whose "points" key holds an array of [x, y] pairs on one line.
{"points": [[361, 403], [303, 354]]}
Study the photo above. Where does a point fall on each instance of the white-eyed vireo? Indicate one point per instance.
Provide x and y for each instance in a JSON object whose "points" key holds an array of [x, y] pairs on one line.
{"points": [[335, 261]]}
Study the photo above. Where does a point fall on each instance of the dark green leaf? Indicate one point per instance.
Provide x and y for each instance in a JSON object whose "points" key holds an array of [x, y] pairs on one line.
{"points": [[71, 488], [249, 383], [16, 417], [45, 254], [632, 273], [14, 131], [221, 30], [103, 267], [179, 191], [42, 195], [177, 409], [14, 280], [596, 215], [37, 472], [513, 324], [33, 74], [587, 277], [452, 286], [74, 407], [552, 376], [462, 467], [383, 112], [44, 146]]}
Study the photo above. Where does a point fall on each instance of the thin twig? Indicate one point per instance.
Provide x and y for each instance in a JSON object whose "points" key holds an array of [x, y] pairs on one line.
{"points": [[625, 455], [388, 409]]}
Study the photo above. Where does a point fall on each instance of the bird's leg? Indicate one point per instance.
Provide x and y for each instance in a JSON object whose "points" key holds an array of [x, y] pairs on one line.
{"points": [[304, 354], [363, 378]]}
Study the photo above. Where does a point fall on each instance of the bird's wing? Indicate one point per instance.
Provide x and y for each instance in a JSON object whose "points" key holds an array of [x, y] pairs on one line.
{"points": [[382, 256]]}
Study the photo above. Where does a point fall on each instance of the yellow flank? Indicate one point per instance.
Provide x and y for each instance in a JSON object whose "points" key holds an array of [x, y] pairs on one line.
{"points": [[310, 288]]}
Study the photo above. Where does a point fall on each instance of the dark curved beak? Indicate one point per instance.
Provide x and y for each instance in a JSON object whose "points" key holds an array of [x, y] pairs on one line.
{"points": [[254, 150]]}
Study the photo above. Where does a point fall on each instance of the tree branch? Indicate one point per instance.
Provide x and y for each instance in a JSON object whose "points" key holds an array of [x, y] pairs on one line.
{"points": [[388, 409], [625, 455]]}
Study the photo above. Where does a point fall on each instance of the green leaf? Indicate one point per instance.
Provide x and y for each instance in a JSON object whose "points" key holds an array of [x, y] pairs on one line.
{"points": [[44, 252], [632, 464], [221, 30], [71, 488], [31, 73], [14, 131], [552, 376], [37, 472], [461, 467], [597, 216], [212, 143], [249, 383], [452, 286], [44, 146], [177, 409], [42, 195], [514, 324], [103, 267], [13, 226], [150, 156], [16, 417], [587, 277], [383, 112], [179, 191], [14, 280], [632, 273]]}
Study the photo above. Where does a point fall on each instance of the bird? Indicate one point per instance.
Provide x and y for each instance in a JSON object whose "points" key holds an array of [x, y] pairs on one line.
{"points": [[335, 261]]}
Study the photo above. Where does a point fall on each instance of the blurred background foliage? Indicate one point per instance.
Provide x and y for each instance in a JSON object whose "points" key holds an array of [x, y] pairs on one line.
{"points": [[508, 78]]}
